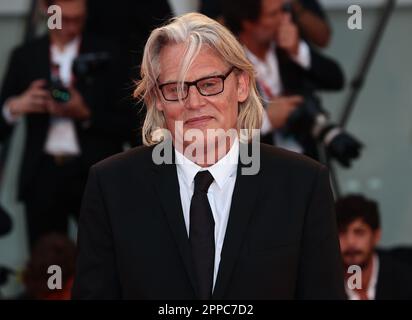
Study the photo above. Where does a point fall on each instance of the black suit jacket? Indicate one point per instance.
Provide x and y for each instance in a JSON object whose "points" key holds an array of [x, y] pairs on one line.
{"points": [[281, 240], [110, 123], [324, 74]]}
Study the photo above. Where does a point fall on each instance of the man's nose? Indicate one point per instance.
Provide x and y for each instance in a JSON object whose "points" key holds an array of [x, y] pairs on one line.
{"points": [[194, 98], [351, 239]]}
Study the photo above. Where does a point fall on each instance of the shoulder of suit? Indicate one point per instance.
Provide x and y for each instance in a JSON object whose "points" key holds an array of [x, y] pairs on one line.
{"points": [[389, 262], [394, 273], [277, 158], [29, 47], [271, 158], [138, 157]]}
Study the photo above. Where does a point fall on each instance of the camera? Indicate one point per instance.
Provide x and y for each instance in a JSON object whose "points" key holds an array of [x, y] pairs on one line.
{"points": [[58, 91], [310, 119], [85, 67]]}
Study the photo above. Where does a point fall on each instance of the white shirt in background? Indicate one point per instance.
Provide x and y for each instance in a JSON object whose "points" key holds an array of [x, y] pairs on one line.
{"points": [[268, 74], [61, 137]]}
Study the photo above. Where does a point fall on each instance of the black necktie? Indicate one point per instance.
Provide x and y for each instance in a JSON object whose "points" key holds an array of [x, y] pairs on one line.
{"points": [[202, 234]]}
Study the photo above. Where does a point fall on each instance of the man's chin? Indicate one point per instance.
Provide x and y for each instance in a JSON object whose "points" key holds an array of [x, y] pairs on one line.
{"points": [[356, 262]]}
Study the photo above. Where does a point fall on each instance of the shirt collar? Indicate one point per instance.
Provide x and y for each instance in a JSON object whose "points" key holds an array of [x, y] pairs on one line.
{"points": [[371, 291], [221, 170], [255, 60], [374, 278], [70, 49]]}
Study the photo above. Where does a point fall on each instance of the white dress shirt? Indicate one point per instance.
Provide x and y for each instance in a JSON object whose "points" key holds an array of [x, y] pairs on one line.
{"points": [[373, 282], [61, 138], [268, 75], [219, 194]]}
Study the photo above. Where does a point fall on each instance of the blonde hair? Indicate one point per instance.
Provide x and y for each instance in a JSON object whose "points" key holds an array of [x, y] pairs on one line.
{"points": [[195, 30]]}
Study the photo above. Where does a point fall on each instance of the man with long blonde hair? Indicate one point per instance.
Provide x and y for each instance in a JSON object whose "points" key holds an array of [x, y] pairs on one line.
{"points": [[181, 218]]}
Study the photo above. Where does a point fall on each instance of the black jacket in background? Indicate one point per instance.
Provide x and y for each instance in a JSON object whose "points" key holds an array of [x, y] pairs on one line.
{"points": [[129, 23], [324, 74], [394, 278]]}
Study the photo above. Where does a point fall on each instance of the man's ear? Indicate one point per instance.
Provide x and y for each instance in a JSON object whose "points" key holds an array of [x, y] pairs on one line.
{"points": [[159, 102], [243, 83], [377, 236], [159, 106]]}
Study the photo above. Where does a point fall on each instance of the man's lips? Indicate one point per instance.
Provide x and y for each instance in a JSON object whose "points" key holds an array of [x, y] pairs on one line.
{"points": [[198, 120]]}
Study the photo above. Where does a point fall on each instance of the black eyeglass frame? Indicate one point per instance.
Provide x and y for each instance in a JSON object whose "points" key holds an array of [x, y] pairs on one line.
{"points": [[194, 83]]}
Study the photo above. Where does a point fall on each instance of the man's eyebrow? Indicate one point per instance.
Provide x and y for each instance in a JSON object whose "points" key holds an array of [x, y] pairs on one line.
{"points": [[215, 73]]}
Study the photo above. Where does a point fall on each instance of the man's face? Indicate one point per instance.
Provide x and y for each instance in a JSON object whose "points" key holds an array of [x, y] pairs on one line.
{"points": [[73, 19], [197, 111], [266, 27], [358, 242]]}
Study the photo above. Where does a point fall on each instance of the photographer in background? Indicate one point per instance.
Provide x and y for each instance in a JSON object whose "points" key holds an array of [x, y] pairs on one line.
{"points": [[289, 73], [67, 86], [308, 15], [311, 21]]}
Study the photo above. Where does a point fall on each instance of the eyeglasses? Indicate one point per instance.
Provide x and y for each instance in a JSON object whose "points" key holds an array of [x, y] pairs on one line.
{"points": [[207, 86]]}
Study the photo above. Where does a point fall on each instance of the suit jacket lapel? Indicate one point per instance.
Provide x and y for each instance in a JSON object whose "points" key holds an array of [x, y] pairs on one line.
{"points": [[167, 188], [243, 203]]}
